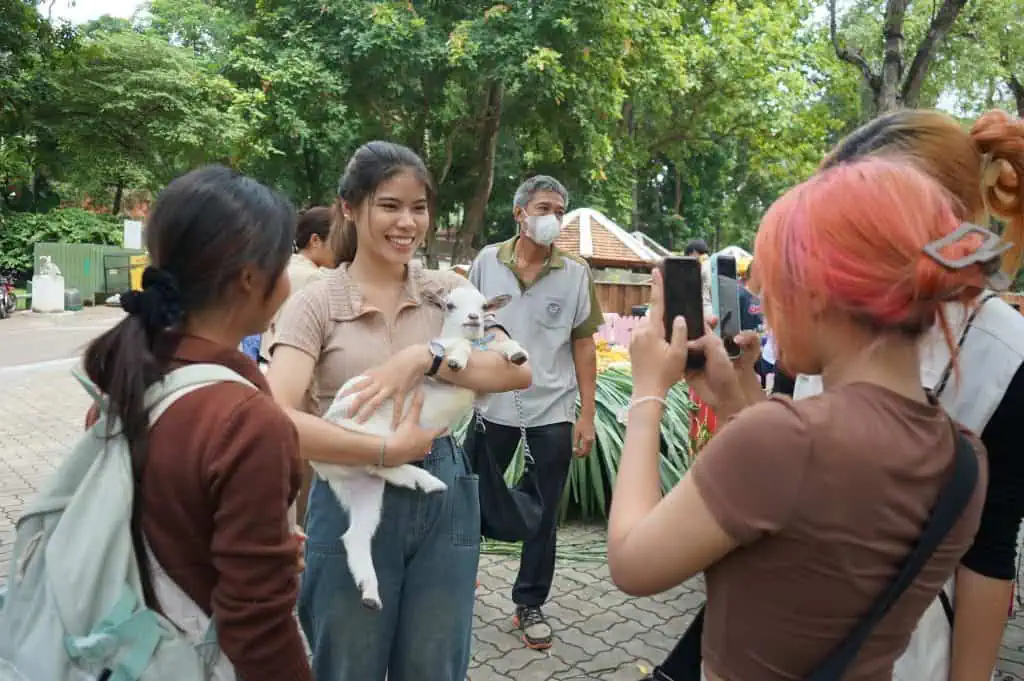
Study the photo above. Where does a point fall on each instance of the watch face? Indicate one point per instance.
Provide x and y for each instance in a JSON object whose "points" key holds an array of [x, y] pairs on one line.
{"points": [[436, 349]]}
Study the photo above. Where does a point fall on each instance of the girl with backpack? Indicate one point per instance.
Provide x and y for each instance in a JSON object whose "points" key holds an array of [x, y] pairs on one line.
{"points": [[216, 474]]}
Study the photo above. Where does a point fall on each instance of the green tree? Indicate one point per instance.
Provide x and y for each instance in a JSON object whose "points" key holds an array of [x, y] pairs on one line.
{"points": [[133, 111], [983, 65]]}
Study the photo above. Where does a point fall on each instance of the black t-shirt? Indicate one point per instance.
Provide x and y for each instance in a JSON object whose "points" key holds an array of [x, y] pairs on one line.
{"points": [[994, 550]]}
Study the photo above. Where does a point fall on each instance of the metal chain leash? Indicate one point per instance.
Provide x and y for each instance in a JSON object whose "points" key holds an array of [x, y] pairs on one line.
{"points": [[527, 456]]}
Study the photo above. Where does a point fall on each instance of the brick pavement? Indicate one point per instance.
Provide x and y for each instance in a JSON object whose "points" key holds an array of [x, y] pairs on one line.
{"points": [[602, 634]]}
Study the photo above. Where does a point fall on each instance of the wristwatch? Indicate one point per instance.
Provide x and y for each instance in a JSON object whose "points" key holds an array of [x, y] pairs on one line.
{"points": [[437, 352]]}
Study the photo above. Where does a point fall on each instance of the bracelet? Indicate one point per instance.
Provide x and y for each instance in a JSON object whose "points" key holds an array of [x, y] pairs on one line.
{"points": [[623, 415], [383, 451]]}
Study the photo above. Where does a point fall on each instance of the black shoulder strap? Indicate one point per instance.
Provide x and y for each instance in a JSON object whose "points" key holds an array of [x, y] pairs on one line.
{"points": [[952, 501], [940, 387]]}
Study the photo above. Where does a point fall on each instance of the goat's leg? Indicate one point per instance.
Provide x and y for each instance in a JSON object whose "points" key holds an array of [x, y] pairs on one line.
{"points": [[363, 497], [511, 351], [458, 354], [410, 477]]}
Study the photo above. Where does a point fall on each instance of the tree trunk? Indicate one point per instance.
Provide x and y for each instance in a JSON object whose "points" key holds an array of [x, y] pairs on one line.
{"points": [[677, 201], [311, 171], [1017, 88], [629, 118], [887, 96], [938, 29], [476, 207], [118, 197], [891, 87]]}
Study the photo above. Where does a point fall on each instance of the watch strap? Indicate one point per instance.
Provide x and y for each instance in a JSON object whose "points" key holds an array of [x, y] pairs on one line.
{"points": [[435, 364]]}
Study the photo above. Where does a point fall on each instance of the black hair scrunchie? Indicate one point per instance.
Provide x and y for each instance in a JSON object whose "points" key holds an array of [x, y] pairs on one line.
{"points": [[158, 304]]}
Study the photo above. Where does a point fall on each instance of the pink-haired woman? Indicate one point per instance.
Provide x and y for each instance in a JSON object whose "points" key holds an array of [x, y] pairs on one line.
{"points": [[801, 513]]}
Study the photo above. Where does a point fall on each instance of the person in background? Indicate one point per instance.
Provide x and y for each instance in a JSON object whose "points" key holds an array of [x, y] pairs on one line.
{"points": [[982, 167], [800, 513], [222, 464], [314, 254], [751, 319], [372, 316], [554, 313], [698, 248]]}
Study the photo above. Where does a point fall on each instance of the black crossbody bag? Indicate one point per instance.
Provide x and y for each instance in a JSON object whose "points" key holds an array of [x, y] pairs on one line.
{"points": [[684, 662]]}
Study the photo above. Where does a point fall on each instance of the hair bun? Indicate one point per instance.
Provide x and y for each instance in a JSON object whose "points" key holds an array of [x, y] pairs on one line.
{"points": [[158, 304], [1000, 137]]}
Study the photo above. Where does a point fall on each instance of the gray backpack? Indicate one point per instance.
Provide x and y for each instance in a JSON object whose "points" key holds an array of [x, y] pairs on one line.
{"points": [[73, 609]]}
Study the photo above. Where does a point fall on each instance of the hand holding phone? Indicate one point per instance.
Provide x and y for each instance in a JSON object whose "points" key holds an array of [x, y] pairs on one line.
{"points": [[684, 298]]}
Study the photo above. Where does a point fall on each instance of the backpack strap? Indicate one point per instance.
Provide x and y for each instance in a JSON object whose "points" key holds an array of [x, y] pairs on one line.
{"points": [[184, 380], [950, 505], [92, 390]]}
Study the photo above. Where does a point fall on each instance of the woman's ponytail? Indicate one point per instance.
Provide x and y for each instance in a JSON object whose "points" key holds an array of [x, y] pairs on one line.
{"points": [[342, 240]]}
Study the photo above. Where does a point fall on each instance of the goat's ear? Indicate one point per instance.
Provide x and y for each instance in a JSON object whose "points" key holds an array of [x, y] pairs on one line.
{"points": [[435, 298], [497, 302]]}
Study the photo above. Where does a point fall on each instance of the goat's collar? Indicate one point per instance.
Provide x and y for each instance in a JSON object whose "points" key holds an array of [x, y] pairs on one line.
{"points": [[481, 343]]}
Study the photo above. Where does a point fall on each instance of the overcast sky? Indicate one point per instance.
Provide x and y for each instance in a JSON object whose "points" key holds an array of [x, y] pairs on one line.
{"points": [[79, 11]]}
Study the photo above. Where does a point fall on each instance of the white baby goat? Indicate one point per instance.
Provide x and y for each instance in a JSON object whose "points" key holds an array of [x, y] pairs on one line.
{"points": [[360, 489]]}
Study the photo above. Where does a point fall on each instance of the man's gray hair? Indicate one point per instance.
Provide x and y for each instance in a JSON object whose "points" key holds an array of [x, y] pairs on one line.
{"points": [[538, 183]]}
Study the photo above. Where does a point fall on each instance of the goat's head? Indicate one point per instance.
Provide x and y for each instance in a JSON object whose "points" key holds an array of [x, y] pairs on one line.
{"points": [[465, 310]]}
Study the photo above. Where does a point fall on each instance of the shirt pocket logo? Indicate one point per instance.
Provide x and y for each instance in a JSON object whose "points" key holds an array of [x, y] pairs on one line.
{"points": [[553, 314]]}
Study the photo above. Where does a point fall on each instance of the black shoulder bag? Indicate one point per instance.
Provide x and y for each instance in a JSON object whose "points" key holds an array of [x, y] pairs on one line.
{"points": [[509, 514], [684, 662]]}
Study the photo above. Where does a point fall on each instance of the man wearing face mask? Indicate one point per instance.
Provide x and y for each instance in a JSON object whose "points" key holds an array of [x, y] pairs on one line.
{"points": [[554, 313]]}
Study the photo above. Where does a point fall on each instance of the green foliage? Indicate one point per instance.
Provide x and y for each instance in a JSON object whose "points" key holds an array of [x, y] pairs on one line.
{"points": [[588, 490], [679, 119], [134, 111], [19, 232]]}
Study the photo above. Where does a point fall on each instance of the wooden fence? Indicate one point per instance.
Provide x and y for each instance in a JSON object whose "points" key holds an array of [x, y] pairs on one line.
{"points": [[619, 298]]}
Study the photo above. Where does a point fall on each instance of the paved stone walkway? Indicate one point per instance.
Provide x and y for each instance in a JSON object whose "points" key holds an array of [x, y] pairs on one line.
{"points": [[602, 634]]}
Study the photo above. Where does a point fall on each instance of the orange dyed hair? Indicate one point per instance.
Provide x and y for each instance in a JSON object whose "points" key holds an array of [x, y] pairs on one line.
{"points": [[851, 239], [983, 168]]}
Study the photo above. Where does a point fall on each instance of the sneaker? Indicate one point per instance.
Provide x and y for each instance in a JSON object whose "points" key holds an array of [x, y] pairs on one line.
{"points": [[536, 631]]}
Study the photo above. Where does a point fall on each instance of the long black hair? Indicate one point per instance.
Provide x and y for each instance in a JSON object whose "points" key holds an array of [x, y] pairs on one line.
{"points": [[204, 229], [372, 164]]}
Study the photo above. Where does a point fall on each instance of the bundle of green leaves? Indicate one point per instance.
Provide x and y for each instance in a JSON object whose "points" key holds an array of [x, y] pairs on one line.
{"points": [[587, 492]]}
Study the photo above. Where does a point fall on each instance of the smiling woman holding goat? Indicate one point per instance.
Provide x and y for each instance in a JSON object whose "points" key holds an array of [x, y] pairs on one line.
{"points": [[371, 317]]}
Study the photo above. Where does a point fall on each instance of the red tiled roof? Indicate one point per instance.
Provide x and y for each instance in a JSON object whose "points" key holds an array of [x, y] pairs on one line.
{"points": [[569, 239], [608, 251]]}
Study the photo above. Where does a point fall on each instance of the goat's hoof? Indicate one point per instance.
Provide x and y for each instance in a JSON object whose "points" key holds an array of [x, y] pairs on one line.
{"points": [[371, 603], [456, 365], [518, 358]]}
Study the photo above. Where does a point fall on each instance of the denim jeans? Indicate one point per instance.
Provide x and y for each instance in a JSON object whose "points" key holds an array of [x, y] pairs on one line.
{"points": [[426, 553], [551, 447]]}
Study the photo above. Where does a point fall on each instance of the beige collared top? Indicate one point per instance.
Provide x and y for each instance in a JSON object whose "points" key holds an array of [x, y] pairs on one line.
{"points": [[328, 321], [300, 272]]}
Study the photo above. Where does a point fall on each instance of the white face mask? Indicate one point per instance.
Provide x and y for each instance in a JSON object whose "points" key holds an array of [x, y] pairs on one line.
{"points": [[543, 229]]}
